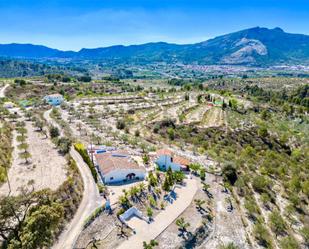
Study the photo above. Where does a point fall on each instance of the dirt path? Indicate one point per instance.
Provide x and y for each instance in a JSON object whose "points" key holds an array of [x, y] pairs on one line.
{"points": [[197, 114], [146, 232], [213, 118], [90, 201], [52, 122], [170, 112], [2, 91]]}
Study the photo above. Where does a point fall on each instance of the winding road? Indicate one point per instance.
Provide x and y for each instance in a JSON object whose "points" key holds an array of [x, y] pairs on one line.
{"points": [[2, 91], [90, 201]]}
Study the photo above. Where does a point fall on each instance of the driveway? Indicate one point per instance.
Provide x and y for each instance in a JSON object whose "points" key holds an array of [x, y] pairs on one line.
{"points": [[2, 91], [51, 121], [147, 232], [90, 201]]}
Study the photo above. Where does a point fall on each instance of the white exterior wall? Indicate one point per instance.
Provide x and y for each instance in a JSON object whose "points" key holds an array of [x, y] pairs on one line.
{"points": [[120, 174], [129, 213]]}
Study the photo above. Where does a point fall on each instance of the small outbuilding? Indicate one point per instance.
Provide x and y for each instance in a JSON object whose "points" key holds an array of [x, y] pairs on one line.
{"points": [[167, 159], [54, 99]]}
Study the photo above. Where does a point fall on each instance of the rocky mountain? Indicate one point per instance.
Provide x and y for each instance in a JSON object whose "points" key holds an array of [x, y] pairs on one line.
{"points": [[255, 46]]}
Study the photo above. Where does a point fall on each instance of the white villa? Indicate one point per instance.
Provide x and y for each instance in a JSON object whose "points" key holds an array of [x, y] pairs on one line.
{"points": [[118, 167]]}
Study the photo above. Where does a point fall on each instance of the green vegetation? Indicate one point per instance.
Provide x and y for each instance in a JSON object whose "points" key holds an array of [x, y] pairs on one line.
{"points": [[259, 139], [229, 246], [34, 219], [289, 243], [277, 223], [64, 145], [262, 151], [182, 225], [54, 132], [22, 131], [152, 244], [262, 235], [80, 148], [5, 149]]}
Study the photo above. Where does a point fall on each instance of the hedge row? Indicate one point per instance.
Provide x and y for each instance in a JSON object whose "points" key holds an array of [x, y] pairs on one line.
{"points": [[93, 216], [80, 148]]}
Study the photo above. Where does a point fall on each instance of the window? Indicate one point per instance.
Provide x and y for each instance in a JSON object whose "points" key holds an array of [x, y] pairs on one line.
{"points": [[112, 178]]}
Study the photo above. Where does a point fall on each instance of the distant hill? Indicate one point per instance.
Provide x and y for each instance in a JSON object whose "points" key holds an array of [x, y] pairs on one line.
{"points": [[255, 46], [22, 68], [17, 68]]}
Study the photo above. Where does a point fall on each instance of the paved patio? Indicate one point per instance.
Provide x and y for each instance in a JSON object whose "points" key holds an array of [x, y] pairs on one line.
{"points": [[147, 232]]}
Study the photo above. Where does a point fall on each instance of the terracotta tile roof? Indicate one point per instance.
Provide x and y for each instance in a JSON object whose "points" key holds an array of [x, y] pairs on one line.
{"points": [[176, 159], [164, 152], [181, 160], [115, 160]]}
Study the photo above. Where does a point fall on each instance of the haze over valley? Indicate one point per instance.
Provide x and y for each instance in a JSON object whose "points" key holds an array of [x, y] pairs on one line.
{"points": [[193, 134]]}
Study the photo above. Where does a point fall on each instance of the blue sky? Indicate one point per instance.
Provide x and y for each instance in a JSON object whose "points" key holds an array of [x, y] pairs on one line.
{"points": [[73, 24]]}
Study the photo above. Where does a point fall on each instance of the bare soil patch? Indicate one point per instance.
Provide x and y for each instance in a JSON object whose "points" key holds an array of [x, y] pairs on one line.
{"points": [[47, 168]]}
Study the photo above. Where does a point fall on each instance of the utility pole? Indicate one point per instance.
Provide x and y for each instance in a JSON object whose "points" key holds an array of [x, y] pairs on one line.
{"points": [[91, 151]]}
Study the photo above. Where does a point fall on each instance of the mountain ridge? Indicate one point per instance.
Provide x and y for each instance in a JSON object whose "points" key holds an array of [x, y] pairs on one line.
{"points": [[254, 46]]}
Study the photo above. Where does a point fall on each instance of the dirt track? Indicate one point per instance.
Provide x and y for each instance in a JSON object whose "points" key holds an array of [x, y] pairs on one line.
{"points": [[91, 200]]}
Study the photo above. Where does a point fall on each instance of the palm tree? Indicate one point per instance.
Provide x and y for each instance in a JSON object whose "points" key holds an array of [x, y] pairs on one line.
{"points": [[199, 203], [124, 201], [141, 187], [206, 187], [134, 191], [182, 225], [153, 243], [149, 213]]}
